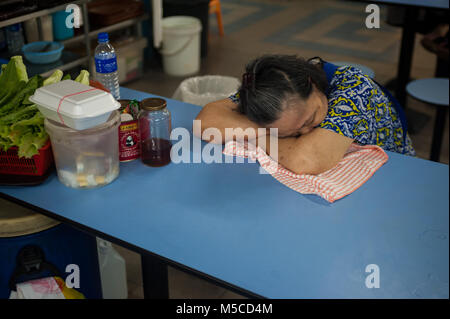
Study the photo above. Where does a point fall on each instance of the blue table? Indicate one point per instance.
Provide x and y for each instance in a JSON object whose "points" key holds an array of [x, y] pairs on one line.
{"points": [[248, 232], [437, 4]]}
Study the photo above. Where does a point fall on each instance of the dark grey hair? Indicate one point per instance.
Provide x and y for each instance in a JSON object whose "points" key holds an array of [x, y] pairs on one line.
{"points": [[271, 79]]}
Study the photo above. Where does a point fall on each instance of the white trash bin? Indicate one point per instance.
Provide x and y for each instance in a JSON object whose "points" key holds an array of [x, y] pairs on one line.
{"points": [[181, 45], [202, 90]]}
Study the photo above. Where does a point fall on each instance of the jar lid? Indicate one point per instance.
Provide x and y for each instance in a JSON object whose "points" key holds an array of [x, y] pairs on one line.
{"points": [[153, 104]]}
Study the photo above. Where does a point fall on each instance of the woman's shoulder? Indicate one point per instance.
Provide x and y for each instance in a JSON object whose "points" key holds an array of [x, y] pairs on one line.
{"points": [[350, 78], [353, 95], [351, 85]]}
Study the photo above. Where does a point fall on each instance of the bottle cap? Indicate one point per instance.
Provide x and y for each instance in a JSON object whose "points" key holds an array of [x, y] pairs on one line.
{"points": [[103, 37], [153, 104]]}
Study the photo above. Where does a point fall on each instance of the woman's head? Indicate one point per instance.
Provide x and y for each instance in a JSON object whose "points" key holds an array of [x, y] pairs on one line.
{"points": [[284, 91]]}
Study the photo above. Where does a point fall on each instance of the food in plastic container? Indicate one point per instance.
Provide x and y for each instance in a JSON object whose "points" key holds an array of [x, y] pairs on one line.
{"points": [[75, 105], [87, 158]]}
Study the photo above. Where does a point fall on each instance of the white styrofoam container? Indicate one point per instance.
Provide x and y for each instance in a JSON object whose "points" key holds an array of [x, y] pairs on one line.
{"points": [[79, 111]]}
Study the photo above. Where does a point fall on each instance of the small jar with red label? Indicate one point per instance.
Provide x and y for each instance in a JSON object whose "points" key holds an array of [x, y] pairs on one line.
{"points": [[155, 127], [129, 148]]}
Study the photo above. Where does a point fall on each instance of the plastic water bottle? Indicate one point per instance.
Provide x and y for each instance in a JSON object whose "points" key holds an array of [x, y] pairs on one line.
{"points": [[113, 272], [106, 65], [14, 38]]}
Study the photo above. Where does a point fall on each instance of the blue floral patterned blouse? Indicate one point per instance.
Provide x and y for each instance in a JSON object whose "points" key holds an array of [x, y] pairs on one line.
{"points": [[359, 109]]}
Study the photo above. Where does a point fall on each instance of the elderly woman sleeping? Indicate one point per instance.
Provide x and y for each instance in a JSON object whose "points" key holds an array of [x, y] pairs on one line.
{"points": [[318, 108]]}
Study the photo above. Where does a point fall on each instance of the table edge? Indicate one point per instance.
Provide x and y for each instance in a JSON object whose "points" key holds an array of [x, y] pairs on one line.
{"points": [[134, 248]]}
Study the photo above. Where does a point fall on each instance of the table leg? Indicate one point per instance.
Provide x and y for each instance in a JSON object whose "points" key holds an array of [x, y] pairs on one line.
{"points": [[438, 132], [406, 54], [154, 277]]}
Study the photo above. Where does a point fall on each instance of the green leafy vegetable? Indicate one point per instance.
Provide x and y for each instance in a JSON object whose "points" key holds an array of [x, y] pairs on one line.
{"points": [[12, 78], [83, 77], [29, 134], [21, 96], [10, 95], [54, 78], [66, 77], [25, 129], [26, 100], [21, 123], [22, 114]]}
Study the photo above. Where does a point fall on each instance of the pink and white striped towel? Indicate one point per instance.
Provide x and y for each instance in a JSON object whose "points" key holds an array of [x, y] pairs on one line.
{"points": [[355, 168]]}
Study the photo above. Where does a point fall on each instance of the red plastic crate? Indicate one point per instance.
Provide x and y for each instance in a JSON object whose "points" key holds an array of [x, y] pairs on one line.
{"points": [[11, 164]]}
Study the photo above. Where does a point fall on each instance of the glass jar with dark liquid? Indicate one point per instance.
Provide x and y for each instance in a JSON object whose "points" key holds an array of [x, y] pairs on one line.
{"points": [[155, 127]]}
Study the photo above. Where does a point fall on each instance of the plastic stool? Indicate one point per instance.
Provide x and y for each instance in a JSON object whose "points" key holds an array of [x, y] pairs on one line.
{"points": [[366, 70], [433, 91], [214, 7]]}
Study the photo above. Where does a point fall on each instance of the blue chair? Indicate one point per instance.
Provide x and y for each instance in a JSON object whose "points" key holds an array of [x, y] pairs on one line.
{"points": [[433, 91], [366, 70]]}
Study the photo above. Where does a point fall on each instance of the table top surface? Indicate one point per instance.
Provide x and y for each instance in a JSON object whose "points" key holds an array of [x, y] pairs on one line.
{"points": [[437, 4], [244, 228], [433, 90]]}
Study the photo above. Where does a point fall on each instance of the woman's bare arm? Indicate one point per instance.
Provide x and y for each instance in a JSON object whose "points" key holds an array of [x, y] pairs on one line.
{"points": [[222, 115], [312, 153]]}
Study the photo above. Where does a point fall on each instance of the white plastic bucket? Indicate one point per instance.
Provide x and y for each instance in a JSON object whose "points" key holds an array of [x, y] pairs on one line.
{"points": [[181, 45]]}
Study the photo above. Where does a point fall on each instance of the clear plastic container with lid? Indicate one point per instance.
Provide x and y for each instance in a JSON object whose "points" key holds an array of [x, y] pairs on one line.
{"points": [[87, 158], [155, 127]]}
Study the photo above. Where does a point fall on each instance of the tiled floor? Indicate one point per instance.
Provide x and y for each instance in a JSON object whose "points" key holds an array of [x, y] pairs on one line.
{"points": [[333, 30], [181, 285]]}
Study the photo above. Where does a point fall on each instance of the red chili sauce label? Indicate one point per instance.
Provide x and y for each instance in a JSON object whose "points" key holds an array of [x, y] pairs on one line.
{"points": [[129, 141]]}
